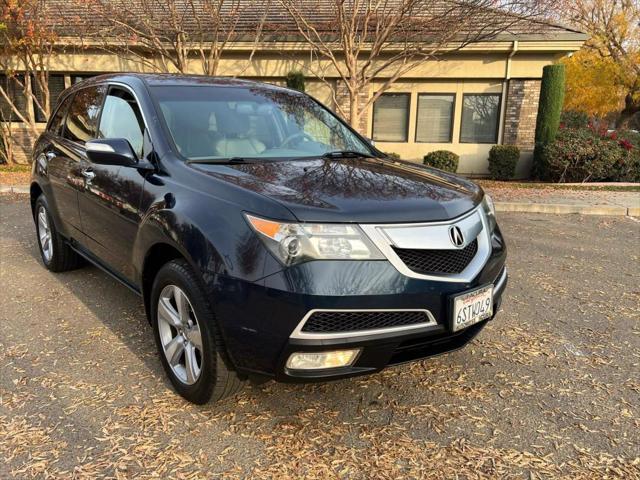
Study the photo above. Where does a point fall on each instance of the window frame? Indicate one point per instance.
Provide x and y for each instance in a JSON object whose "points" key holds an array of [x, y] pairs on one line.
{"points": [[408, 117], [498, 109], [126, 88], [453, 114]]}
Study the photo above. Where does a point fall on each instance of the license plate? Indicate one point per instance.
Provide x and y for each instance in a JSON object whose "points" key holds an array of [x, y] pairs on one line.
{"points": [[472, 307]]}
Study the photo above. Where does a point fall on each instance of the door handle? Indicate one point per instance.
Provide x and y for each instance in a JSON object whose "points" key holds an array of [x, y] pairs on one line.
{"points": [[89, 174]]}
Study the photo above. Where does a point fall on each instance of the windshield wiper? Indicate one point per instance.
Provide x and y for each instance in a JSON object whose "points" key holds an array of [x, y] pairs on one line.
{"points": [[221, 161], [346, 154]]}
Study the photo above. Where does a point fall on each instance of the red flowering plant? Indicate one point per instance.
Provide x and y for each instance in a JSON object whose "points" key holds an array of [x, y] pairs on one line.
{"points": [[591, 154]]}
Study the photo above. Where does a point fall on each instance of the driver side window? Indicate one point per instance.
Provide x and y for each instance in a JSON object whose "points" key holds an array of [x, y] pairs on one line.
{"points": [[121, 118]]}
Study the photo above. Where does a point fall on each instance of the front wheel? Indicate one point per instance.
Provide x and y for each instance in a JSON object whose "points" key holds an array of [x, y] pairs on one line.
{"points": [[184, 327]]}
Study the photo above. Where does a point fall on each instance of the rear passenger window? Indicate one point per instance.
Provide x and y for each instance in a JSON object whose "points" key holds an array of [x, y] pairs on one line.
{"points": [[121, 118], [57, 122], [83, 114]]}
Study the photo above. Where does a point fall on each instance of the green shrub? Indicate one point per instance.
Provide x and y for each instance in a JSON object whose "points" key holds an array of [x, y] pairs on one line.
{"points": [[549, 109], [583, 155], [574, 119], [442, 159], [393, 155], [295, 80], [550, 105], [502, 161]]}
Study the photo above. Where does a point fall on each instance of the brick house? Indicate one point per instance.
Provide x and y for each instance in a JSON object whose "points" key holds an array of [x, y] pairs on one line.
{"points": [[467, 101]]}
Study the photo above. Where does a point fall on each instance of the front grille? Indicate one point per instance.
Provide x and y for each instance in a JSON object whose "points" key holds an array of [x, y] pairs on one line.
{"points": [[330, 322], [438, 261]]}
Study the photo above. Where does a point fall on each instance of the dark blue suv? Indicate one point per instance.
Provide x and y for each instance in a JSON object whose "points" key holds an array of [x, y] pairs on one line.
{"points": [[265, 236]]}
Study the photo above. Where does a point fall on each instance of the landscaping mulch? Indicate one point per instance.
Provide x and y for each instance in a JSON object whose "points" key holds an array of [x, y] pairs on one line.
{"points": [[626, 195]]}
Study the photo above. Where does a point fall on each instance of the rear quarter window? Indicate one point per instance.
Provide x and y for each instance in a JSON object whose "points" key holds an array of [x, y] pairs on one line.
{"points": [[82, 119], [57, 121]]}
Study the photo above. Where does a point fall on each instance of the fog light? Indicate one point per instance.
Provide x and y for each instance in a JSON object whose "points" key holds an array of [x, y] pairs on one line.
{"points": [[318, 360]]}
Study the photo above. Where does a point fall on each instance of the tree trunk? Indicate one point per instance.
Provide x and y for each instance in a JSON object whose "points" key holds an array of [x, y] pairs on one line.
{"points": [[354, 112], [630, 109]]}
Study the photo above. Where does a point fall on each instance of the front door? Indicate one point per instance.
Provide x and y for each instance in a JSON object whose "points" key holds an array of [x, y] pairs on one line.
{"points": [[66, 154], [110, 201]]}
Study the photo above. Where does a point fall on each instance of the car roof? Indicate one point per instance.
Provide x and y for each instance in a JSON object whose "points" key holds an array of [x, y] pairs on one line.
{"points": [[171, 79]]}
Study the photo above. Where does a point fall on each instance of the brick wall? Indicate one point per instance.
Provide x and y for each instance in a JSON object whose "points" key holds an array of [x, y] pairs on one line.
{"points": [[342, 98], [23, 142], [521, 112]]}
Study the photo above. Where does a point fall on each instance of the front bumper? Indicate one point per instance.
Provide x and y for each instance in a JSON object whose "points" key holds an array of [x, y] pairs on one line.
{"points": [[258, 319], [384, 348]]}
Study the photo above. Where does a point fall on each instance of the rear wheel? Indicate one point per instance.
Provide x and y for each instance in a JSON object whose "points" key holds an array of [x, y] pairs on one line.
{"points": [[56, 255], [190, 348]]}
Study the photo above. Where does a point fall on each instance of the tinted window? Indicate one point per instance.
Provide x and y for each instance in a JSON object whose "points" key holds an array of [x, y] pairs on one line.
{"points": [[83, 114], [391, 117], [435, 118], [121, 118], [480, 118], [57, 122], [208, 122]]}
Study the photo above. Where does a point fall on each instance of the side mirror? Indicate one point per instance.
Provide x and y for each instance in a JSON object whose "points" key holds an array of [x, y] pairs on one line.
{"points": [[111, 151]]}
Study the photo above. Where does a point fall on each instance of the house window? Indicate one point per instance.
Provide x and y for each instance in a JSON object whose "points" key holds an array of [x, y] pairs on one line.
{"points": [[391, 117], [480, 113], [56, 86], [13, 86], [435, 118], [13, 89]]}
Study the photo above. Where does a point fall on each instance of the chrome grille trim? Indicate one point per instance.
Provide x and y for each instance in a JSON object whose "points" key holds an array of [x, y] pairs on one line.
{"points": [[474, 222], [298, 333]]}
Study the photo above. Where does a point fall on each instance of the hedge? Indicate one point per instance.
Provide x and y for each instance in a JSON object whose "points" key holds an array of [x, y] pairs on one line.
{"points": [[442, 159], [584, 155], [502, 161], [295, 80]]}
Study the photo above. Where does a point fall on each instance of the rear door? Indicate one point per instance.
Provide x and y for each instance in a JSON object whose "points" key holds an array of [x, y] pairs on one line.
{"points": [[110, 200], [75, 122]]}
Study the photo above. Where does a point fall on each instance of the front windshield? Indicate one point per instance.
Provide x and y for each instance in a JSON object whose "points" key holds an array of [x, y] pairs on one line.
{"points": [[212, 122]]}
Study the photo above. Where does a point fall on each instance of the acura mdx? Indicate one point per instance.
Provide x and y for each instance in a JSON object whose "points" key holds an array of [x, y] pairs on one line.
{"points": [[266, 237]]}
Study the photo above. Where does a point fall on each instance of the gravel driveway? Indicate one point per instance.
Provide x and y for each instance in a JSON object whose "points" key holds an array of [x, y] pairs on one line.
{"points": [[551, 388]]}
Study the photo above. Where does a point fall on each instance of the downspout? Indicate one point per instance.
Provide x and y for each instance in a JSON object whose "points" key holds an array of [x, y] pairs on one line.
{"points": [[505, 84]]}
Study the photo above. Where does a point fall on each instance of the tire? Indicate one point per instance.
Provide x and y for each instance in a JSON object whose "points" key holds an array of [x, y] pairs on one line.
{"points": [[197, 369], [56, 255]]}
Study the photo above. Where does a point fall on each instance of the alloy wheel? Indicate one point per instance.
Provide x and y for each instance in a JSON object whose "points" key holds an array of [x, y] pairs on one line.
{"points": [[44, 234], [180, 334]]}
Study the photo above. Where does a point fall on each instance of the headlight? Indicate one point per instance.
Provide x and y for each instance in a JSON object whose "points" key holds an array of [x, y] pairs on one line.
{"points": [[299, 242], [489, 211]]}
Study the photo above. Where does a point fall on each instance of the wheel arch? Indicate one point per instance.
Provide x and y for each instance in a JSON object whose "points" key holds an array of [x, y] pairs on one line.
{"points": [[157, 255], [35, 190]]}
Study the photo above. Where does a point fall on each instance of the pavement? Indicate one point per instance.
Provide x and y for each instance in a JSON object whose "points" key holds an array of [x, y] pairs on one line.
{"points": [[549, 389], [534, 200]]}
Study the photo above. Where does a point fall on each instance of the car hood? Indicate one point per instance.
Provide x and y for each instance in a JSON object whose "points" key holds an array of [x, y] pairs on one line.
{"points": [[354, 190]]}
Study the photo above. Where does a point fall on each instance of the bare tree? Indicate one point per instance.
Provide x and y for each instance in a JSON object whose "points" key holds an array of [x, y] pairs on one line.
{"points": [[26, 47], [164, 35], [365, 40]]}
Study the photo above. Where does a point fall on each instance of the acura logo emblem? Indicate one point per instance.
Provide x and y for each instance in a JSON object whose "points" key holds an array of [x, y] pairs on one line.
{"points": [[455, 234]]}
